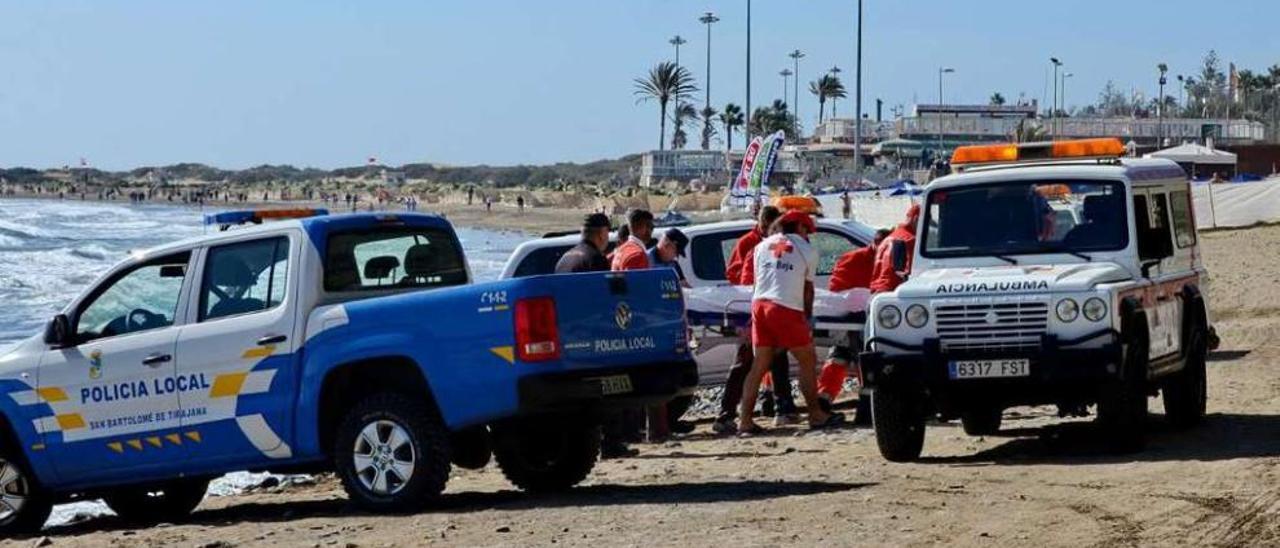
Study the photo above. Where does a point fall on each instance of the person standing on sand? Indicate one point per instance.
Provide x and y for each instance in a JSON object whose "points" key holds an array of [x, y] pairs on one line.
{"points": [[782, 305], [520, 203], [632, 255]]}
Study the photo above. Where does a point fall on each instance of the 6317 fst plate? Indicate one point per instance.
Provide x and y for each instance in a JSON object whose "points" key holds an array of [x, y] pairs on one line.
{"points": [[989, 369]]}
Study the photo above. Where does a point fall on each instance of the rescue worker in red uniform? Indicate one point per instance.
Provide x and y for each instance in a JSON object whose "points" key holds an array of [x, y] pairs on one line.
{"points": [[883, 277], [781, 309], [852, 270], [633, 254]]}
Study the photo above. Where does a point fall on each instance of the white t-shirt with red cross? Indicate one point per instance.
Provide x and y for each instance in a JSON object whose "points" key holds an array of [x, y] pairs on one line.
{"points": [[784, 262]]}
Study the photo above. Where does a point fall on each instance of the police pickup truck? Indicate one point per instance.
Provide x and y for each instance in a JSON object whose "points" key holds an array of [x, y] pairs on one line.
{"points": [[1045, 273], [354, 343]]}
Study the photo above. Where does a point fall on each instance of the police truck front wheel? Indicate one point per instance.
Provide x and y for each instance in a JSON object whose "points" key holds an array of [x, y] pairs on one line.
{"points": [[24, 504], [392, 453], [898, 417], [542, 455], [165, 503]]}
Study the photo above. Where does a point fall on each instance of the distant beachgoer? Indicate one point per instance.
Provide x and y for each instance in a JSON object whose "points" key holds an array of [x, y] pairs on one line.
{"points": [[488, 204], [520, 203]]}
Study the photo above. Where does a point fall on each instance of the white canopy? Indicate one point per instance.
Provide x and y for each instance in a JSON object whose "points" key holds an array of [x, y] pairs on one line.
{"points": [[1192, 153]]}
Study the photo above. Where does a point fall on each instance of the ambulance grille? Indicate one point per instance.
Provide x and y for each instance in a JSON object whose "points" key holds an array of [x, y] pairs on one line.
{"points": [[991, 326]]}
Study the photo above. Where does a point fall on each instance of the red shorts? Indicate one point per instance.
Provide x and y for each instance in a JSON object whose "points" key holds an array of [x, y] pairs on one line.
{"points": [[776, 326]]}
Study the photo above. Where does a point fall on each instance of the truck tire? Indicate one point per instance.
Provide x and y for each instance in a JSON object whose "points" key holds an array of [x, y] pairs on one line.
{"points": [[982, 421], [1122, 407], [899, 422], [392, 453], [546, 455], [171, 502], [472, 448], [1186, 392], [24, 503], [862, 410]]}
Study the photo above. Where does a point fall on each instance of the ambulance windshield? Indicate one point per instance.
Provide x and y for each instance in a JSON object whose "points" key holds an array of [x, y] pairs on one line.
{"points": [[1025, 217]]}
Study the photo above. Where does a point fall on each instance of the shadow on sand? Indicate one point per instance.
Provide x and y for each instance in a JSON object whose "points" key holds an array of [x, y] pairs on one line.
{"points": [[1219, 437], [594, 495]]}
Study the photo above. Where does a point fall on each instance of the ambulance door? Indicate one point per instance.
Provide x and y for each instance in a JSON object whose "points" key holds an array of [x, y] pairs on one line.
{"points": [[239, 351], [110, 412], [1156, 248]]}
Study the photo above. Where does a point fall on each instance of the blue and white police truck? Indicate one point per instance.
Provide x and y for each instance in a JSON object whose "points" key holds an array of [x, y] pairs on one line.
{"points": [[356, 343]]}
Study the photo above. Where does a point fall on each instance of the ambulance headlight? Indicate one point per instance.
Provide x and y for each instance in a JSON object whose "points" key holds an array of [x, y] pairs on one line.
{"points": [[917, 316], [889, 317], [1095, 309], [1067, 310]]}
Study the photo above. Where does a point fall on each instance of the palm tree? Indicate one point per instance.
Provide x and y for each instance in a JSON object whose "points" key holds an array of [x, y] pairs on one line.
{"points": [[665, 80], [684, 111], [708, 115], [732, 119], [767, 120], [997, 99], [827, 87]]}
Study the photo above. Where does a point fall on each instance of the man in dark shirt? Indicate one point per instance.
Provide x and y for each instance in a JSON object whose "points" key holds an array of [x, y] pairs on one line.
{"points": [[588, 255], [670, 247]]}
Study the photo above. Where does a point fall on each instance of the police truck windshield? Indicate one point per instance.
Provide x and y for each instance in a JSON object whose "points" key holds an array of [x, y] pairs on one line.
{"points": [[1025, 217]]}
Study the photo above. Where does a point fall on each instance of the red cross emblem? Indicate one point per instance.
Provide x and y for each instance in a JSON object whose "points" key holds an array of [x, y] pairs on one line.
{"points": [[780, 248]]}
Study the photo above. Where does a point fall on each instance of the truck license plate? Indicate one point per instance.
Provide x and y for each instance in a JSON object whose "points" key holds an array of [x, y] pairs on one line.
{"points": [[616, 384], [989, 369]]}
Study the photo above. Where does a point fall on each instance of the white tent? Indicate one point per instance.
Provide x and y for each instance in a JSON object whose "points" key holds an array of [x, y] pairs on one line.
{"points": [[1192, 153]]}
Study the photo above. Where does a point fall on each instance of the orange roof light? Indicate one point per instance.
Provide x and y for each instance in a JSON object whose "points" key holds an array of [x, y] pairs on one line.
{"points": [[1080, 148]]}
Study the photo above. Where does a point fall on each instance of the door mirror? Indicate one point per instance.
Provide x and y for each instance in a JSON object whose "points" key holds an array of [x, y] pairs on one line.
{"points": [[898, 255], [58, 332]]}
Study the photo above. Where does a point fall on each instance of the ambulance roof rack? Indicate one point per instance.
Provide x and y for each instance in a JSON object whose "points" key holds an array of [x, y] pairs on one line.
{"points": [[1105, 149], [228, 219]]}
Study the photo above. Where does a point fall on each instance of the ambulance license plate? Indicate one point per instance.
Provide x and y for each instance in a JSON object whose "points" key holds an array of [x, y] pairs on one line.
{"points": [[989, 369], [616, 384]]}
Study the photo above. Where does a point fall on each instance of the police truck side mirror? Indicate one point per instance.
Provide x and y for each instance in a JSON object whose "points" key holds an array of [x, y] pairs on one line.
{"points": [[58, 332], [898, 255]]}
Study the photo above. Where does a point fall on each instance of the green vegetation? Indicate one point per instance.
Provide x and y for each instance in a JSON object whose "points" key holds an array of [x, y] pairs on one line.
{"points": [[665, 82]]}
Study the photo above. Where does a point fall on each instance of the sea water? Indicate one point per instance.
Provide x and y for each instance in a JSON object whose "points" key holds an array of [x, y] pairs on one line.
{"points": [[52, 250]]}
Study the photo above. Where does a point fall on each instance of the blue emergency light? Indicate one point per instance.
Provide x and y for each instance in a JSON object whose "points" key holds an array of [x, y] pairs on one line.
{"points": [[257, 216]]}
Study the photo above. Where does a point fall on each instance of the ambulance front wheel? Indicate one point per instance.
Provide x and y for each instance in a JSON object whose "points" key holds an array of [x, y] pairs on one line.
{"points": [[24, 504], [392, 453], [167, 503], [898, 416]]}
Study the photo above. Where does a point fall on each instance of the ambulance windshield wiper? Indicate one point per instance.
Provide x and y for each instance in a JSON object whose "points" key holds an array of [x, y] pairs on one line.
{"points": [[1063, 249], [1009, 260]]}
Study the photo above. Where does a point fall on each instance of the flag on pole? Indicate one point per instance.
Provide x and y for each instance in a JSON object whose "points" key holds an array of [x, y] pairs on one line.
{"points": [[765, 161], [741, 185]]}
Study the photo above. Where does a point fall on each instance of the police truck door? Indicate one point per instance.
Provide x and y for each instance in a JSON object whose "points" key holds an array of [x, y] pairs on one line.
{"points": [[111, 399], [241, 345]]}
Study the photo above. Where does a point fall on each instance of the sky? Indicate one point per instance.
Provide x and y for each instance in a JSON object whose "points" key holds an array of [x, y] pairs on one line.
{"points": [[327, 83]]}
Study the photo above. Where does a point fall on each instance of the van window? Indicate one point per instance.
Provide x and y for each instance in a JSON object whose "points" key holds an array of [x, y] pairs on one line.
{"points": [[1184, 228], [393, 258], [244, 277], [541, 261], [710, 254], [830, 246]]}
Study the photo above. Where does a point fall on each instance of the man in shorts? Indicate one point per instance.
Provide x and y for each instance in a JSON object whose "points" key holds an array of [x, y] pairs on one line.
{"points": [[782, 304]]}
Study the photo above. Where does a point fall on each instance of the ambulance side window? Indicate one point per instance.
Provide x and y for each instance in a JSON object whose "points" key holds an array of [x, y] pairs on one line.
{"points": [[1151, 215], [1183, 224]]}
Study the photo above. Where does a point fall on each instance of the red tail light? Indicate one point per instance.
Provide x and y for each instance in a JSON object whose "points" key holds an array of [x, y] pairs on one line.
{"points": [[537, 335]]}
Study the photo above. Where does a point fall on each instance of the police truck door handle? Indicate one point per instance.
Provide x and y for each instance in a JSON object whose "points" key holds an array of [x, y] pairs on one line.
{"points": [[272, 339], [156, 359]]}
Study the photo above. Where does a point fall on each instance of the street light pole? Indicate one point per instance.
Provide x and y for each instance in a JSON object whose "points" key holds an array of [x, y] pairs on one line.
{"points": [[708, 19], [795, 123], [748, 132], [1053, 112], [786, 84], [1160, 106], [857, 101], [835, 71], [1065, 75], [941, 71]]}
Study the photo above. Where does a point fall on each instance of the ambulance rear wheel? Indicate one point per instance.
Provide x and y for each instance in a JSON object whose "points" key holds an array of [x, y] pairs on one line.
{"points": [[392, 453], [896, 413], [545, 455], [24, 504], [170, 502]]}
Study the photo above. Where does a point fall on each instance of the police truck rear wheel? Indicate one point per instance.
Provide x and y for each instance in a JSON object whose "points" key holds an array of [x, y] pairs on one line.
{"points": [[167, 503], [899, 422], [982, 421], [1186, 392], [24, 505], [392, 453], [546, 455]]}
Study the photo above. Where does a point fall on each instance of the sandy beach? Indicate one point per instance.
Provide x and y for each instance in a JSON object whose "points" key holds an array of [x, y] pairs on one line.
{"points": [[1043, 481]]}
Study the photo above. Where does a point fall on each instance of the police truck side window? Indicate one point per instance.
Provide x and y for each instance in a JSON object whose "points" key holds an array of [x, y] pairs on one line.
{"points": [[141, 299], [393, 258], [244, 277]]}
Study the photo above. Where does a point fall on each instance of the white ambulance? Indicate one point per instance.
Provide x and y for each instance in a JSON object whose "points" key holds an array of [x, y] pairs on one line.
{"points": [[1010, 301]]}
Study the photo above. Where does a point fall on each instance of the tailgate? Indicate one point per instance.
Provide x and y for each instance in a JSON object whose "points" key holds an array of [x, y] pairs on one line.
{"points": [[616, 318]]}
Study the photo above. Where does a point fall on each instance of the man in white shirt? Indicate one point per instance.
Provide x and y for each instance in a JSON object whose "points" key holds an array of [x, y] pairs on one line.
{"points": [[785, 269]]}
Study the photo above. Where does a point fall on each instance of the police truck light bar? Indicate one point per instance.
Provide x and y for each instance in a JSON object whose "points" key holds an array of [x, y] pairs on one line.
{"points": [[257, 216], [1056, 150]]}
